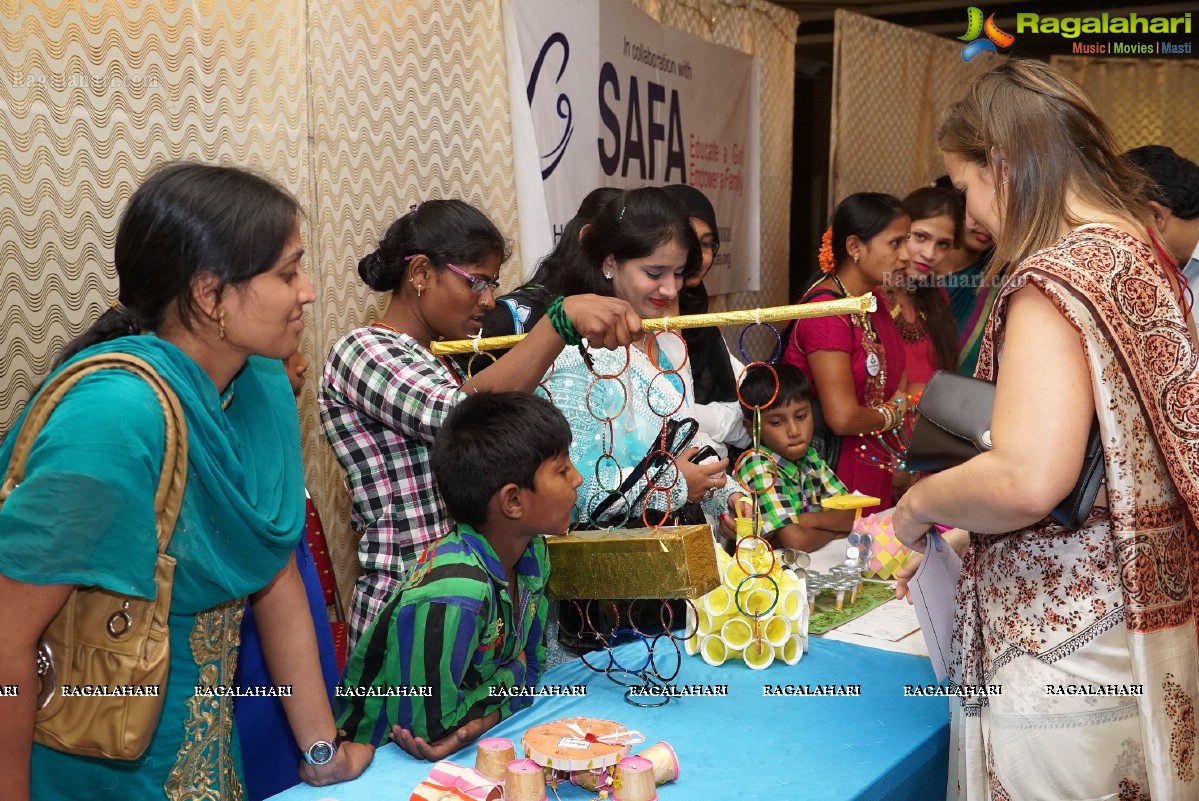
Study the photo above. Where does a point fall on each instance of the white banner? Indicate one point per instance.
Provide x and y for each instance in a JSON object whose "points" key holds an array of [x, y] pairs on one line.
{"points": [[615, 99]]}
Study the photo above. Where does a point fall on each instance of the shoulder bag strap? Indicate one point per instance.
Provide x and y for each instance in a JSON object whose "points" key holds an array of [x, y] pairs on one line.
{"points": [[168, 498]]}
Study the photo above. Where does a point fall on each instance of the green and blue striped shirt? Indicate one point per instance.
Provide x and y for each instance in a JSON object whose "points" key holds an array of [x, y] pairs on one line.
{"points": [[450, 645]]}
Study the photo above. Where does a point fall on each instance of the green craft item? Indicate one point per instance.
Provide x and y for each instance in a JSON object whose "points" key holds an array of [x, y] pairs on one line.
{"points": [[826, 618]]}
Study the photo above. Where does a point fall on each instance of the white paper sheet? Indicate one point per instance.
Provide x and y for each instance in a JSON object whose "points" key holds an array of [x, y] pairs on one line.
{"points": [[892, 621], [934, 595]]}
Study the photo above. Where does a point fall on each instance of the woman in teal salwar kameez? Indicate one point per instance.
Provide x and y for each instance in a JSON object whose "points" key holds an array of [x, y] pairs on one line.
{"points": [[211, 295]]}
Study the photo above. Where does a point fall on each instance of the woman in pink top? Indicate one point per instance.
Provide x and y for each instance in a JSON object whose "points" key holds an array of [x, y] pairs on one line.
{"points": [[856, 362]]}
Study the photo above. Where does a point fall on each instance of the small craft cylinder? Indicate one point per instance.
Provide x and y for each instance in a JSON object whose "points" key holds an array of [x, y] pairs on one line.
{"points": [[776, 630], [635, 780], [665, 761], [758, 655], [524, 781], [713, 650], [791, 651], [732, 576], [711, 625], [789, 580], [691, 643], [758, 600], [493, 755], [736, 634], [791, 603], [718, 602]]}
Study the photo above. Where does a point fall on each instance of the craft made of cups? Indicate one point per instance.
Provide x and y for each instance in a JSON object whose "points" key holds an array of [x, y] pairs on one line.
{"points": [[759, 613]]}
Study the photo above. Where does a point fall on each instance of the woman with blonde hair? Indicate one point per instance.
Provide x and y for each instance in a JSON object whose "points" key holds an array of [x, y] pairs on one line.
{"points": [[1088, 634]]}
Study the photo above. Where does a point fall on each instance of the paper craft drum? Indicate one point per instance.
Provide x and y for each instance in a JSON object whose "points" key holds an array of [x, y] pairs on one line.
{"points": [[574, 744]]}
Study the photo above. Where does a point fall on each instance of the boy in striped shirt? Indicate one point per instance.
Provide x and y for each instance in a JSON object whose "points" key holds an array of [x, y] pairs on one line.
{"points": [[445, 659]]}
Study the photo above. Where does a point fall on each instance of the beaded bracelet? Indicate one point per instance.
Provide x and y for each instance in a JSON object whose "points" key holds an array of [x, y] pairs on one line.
{"points": [[562, 324]]}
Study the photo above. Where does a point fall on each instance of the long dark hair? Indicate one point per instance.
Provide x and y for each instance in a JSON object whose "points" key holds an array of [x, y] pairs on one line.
{"points": [[569, 247], [185, 220], [923, 204], [864, 215], [630, 226], [443, 231]]}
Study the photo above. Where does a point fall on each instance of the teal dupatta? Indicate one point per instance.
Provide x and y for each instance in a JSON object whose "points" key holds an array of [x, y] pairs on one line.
{"points": [[245, 483]]}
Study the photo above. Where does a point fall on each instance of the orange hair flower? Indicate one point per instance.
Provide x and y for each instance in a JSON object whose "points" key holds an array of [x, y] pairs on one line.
{"points": [[825, 257]]}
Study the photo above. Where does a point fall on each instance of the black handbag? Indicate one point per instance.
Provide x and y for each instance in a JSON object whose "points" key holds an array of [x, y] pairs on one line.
{"points": [[954, 425]]}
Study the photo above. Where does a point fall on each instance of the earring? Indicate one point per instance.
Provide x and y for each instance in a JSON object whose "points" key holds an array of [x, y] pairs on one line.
{"points": [[419, 289], [608, 276], [855, 258], [220, 322]]}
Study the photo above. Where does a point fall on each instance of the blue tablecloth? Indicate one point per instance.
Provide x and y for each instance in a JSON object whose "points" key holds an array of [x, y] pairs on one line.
{"points": [[880, 745]]}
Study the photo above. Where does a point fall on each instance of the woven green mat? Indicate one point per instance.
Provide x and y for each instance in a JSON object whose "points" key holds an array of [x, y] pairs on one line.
{"points": [[827, 617]]}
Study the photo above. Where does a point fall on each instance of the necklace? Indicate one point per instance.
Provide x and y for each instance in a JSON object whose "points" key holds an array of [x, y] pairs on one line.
{"points": [[912, 331], [876, 357], [228, 399]]}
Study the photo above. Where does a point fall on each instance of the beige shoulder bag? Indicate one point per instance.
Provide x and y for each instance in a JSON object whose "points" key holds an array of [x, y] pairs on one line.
{"points": [[102, 642]]}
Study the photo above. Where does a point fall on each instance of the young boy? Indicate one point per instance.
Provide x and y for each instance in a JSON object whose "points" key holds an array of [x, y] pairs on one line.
{"points": [[447, 656], [791, 514]]}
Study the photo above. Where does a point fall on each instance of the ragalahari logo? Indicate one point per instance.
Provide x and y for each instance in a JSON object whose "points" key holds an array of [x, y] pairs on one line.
{"points": [[975, 27]]}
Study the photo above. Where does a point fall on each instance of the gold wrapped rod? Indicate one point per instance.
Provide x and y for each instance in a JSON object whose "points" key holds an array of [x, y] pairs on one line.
{"points": [[860, 304]]}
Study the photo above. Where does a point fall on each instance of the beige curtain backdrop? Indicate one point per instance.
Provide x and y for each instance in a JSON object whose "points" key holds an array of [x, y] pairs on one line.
{"points": [[890, 85], [1145, 101], [359, 107]]}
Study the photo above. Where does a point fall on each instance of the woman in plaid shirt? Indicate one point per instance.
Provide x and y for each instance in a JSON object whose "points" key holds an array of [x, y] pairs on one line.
{"points": [[383, 394]]}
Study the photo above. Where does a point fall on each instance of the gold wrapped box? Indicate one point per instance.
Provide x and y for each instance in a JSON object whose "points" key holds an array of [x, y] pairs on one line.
{"points": [[668, 562]]}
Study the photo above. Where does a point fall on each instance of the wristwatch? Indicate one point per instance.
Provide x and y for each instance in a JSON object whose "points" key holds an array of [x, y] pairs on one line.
{"points": [[321, 752]]}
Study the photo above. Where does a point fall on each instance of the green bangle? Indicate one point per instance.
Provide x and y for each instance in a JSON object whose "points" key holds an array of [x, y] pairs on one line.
{"points": [[562, 324]]}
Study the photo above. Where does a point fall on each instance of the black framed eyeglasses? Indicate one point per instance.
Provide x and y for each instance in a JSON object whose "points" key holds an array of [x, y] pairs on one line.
{"points": [[710, 245]]}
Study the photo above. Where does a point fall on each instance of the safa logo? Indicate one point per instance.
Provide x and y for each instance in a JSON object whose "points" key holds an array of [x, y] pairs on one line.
{"points": [[975, 27]]}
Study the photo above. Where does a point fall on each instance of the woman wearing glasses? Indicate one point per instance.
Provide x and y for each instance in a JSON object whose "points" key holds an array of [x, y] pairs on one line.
{"points": [[383, 393]]}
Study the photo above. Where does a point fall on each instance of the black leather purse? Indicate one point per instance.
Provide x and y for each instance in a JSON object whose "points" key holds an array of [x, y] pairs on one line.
{"points": [[955, 425]]}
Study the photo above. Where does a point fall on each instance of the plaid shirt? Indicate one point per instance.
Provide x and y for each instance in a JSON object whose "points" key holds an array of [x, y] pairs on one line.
{"points": [[382, 399], [798, 487], [457, 629]]}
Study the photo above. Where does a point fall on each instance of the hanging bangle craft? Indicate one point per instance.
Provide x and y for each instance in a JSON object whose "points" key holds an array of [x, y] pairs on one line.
{"points": [[562, 324]]}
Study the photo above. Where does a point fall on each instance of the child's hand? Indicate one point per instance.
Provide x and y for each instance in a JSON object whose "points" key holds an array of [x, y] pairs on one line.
{"points": [[464, 735], [739, 506]]}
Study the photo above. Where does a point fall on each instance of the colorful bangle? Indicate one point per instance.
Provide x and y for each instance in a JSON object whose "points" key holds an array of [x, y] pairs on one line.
{"points": [[562, 324]]}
